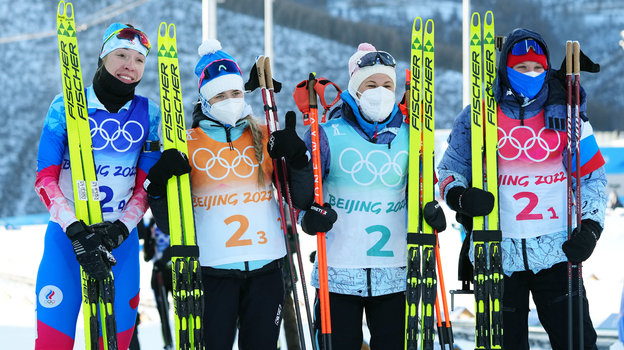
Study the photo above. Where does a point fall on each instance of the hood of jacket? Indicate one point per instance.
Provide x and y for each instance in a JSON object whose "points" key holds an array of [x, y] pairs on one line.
{"points": [[513, 104]]}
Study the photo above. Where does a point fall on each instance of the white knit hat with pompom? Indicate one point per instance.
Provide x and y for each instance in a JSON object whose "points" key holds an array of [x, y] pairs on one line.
{"points": [[359, 74]]}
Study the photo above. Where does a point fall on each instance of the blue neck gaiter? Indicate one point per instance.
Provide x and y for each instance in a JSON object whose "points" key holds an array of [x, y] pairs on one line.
{"points": [[524, 84]]}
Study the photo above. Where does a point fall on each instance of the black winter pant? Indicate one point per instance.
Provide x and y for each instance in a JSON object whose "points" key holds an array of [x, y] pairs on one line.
{"points": [[385, 317], [549, 289], [252, 300]]}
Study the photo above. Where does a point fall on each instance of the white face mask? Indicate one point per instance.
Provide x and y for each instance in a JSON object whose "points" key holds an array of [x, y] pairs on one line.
{"points": [[229, 111], [376, 104]]}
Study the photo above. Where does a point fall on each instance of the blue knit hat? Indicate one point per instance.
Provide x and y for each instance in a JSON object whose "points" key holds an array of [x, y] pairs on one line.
{"points": [[122, 36], [217, 70]]}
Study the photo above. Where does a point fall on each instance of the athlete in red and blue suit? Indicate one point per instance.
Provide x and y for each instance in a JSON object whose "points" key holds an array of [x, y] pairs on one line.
{"points": [[532, 189], [124, 132]]}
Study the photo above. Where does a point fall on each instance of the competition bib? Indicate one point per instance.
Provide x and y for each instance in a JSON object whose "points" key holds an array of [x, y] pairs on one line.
{"points": [[236, 219], [531, 177], [366, 187], [117, 144]]}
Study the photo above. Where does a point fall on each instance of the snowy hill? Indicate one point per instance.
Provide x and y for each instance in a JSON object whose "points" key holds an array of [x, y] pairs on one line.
{"points": [[31, 76]]}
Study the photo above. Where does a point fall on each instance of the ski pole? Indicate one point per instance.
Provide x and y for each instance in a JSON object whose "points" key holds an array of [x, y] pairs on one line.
{"points": [[577, 145], [445, 331], [293, 212], [321, 255], [270, 112], [441, 339], [569, 181]]}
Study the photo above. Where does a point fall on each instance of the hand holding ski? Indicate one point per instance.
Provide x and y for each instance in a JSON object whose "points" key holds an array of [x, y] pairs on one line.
{"points": [[84, 182]]}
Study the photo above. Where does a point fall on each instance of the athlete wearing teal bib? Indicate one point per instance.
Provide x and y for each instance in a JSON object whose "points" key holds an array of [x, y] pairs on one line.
{"points": [[364, 164]]}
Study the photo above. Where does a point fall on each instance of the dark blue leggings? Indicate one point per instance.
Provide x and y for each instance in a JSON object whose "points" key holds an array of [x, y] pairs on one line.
{"points": [[385, 317], [250, 302]]}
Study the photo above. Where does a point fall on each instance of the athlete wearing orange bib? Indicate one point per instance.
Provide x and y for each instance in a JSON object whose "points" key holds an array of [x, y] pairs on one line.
{"points": [[237, 220]]}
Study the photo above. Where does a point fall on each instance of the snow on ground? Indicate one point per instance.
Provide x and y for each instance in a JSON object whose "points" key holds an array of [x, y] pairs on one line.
{"points": [[22, 248]]}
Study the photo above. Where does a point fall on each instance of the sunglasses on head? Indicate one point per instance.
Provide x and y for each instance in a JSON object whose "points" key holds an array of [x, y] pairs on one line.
{"points": [[522, 47], [129, 33], [372, 58], [216, 68]]}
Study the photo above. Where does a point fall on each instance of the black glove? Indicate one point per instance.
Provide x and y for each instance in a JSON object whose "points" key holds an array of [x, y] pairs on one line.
{"points": [[586, 65], [470, 201], [583, 241], [164, 263], [434, 216], [112, 234], [465, 221], [172, 162], [313, 256], [149, 247], [318, 219], [91, 254], [286, 143]]}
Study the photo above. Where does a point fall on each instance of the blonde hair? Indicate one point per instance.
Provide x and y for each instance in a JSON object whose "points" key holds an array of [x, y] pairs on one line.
{"points": [[256, 136]]}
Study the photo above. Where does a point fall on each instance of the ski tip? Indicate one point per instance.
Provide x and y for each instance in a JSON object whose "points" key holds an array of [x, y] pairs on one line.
{"points": [[162, 29], [171, 31], [475, 20], [69, 10], [489, 18], [429, 26], [60, 11], [417, 24]]}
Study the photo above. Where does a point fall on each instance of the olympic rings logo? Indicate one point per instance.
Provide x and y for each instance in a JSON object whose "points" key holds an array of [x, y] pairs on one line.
{"points": [[50, 296], [111, 132], [377, 164], [218, 167], [522, 140]]}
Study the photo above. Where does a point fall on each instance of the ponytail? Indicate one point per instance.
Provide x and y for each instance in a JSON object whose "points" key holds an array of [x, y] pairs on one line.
{"points": [[256, 135]]}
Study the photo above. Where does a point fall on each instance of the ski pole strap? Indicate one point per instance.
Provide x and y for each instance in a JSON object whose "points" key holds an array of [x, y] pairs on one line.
{"points": [[185, 251], [421, 238], [270, 108], [487, 235], [319, 87]]}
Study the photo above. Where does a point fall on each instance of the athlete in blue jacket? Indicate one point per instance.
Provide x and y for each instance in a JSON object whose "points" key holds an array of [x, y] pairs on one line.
{"points": [[532, 191], [124, 132]]}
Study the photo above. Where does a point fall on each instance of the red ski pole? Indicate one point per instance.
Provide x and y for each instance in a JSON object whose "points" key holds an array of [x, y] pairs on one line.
{"points": [[272, 125], [577, 149], [270, 113], [569, 181]]}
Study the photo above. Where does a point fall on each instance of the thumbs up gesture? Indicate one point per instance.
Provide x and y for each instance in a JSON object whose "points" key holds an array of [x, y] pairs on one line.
{"points": [[286, 143]]}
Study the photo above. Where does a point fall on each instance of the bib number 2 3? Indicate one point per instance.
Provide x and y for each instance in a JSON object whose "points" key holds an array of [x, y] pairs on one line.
{"points": [[236, 240]]}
